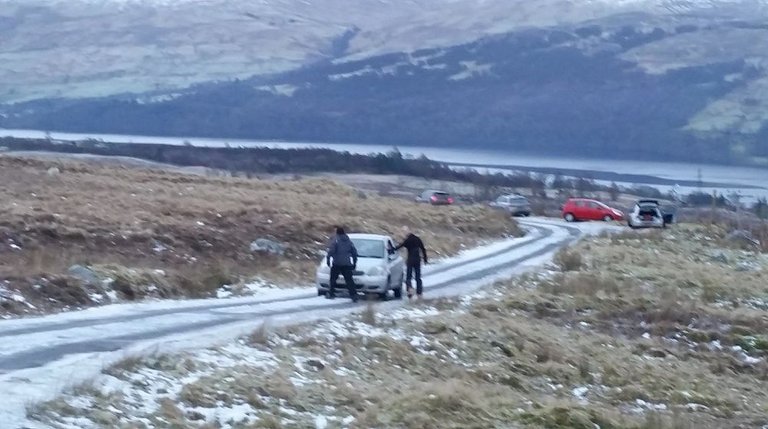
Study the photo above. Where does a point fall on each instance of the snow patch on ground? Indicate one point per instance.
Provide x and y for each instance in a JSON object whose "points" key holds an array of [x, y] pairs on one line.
{"points": [[254, 287], [143, 389], [284, 90], [471, 69], [643, 406]]}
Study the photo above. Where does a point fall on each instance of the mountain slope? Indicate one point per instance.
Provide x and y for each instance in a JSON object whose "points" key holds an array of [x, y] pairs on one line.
{"points": [[635, 79], [77, 48]]}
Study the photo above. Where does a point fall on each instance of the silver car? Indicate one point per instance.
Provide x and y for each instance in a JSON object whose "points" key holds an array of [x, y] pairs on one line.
{"points": [[516, 205], [379, 268], [646, 214]]}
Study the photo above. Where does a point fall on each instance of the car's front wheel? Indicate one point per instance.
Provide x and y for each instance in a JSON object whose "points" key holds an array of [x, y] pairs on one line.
{"points": [[383, 296], [398, 289], [399, 293], [607, 218]]}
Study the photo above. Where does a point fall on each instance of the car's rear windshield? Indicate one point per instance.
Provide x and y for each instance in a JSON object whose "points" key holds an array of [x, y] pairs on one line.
{"points": [[440, 194], [518, 199], [368, 248]]}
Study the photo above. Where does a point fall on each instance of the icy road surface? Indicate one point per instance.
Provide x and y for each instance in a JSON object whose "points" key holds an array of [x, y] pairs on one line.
{"points": [[39, 357]]}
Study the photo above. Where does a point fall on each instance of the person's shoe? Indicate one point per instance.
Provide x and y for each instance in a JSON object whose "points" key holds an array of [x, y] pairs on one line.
{"points": [[330, 296], [354, 297], [410, 292]]}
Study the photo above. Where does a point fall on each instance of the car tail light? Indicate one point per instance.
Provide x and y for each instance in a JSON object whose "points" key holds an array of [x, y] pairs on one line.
{"points": [[450, 200], [434, 198]]}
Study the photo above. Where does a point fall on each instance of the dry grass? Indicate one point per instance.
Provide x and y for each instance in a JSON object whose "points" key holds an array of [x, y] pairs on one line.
{"points": [[50, 409], [676, 421], [568, 260], [171, 411], [126, 364], [583, 284], [260, 336], [198, 229], [267, 422]]}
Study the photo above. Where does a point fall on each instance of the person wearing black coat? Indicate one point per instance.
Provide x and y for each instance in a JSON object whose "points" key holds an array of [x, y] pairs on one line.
{"points": [[415, 248], [343, 253]]}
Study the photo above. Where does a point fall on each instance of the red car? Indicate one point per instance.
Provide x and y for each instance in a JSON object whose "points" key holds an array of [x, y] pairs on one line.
{"points": [[588, 209], [436, 198]]}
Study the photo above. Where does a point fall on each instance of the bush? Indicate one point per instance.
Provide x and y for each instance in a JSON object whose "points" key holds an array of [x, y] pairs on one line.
{"points": [[568, 260], [260, 336]]}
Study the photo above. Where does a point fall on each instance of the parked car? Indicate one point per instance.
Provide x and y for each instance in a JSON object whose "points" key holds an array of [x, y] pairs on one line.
{"points": [[436, 198], [379, 268], [576, 209], [648, 214], [516, 205]]}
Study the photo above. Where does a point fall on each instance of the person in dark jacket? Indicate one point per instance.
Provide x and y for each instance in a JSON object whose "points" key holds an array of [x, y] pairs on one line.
{"points": [[342, 259], [415, 248]]}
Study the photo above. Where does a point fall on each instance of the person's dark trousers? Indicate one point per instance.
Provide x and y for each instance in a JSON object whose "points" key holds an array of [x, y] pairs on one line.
{"points": [[346, 272], [414, 270]]}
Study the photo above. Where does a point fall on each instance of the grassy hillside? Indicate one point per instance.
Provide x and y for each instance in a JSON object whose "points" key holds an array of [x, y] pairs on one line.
{"points": [[152, 233]]}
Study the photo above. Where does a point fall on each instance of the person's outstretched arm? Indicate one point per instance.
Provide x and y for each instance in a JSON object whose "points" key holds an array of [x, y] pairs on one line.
{"points": [[423, 250], [354, 256], [399, 246]]}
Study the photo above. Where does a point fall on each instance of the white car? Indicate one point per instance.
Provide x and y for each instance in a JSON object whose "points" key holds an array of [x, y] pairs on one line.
{"points": [[379, 269], [646, 214]]}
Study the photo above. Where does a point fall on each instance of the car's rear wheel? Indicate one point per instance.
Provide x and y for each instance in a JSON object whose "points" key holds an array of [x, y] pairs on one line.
{"points": [[607, 218], [320, 292], [569, 217]]}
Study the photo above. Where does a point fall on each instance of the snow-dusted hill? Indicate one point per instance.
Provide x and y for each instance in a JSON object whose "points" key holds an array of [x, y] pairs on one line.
{"points": [[635, 78], [97, 47]]}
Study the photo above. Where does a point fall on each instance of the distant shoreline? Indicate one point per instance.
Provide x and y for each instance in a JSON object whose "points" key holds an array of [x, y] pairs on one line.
{"points": [[433, 153], [644, 179]]}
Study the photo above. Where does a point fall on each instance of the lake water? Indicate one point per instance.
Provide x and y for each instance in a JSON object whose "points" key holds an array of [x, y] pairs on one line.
{"points": [[742, 178]]}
